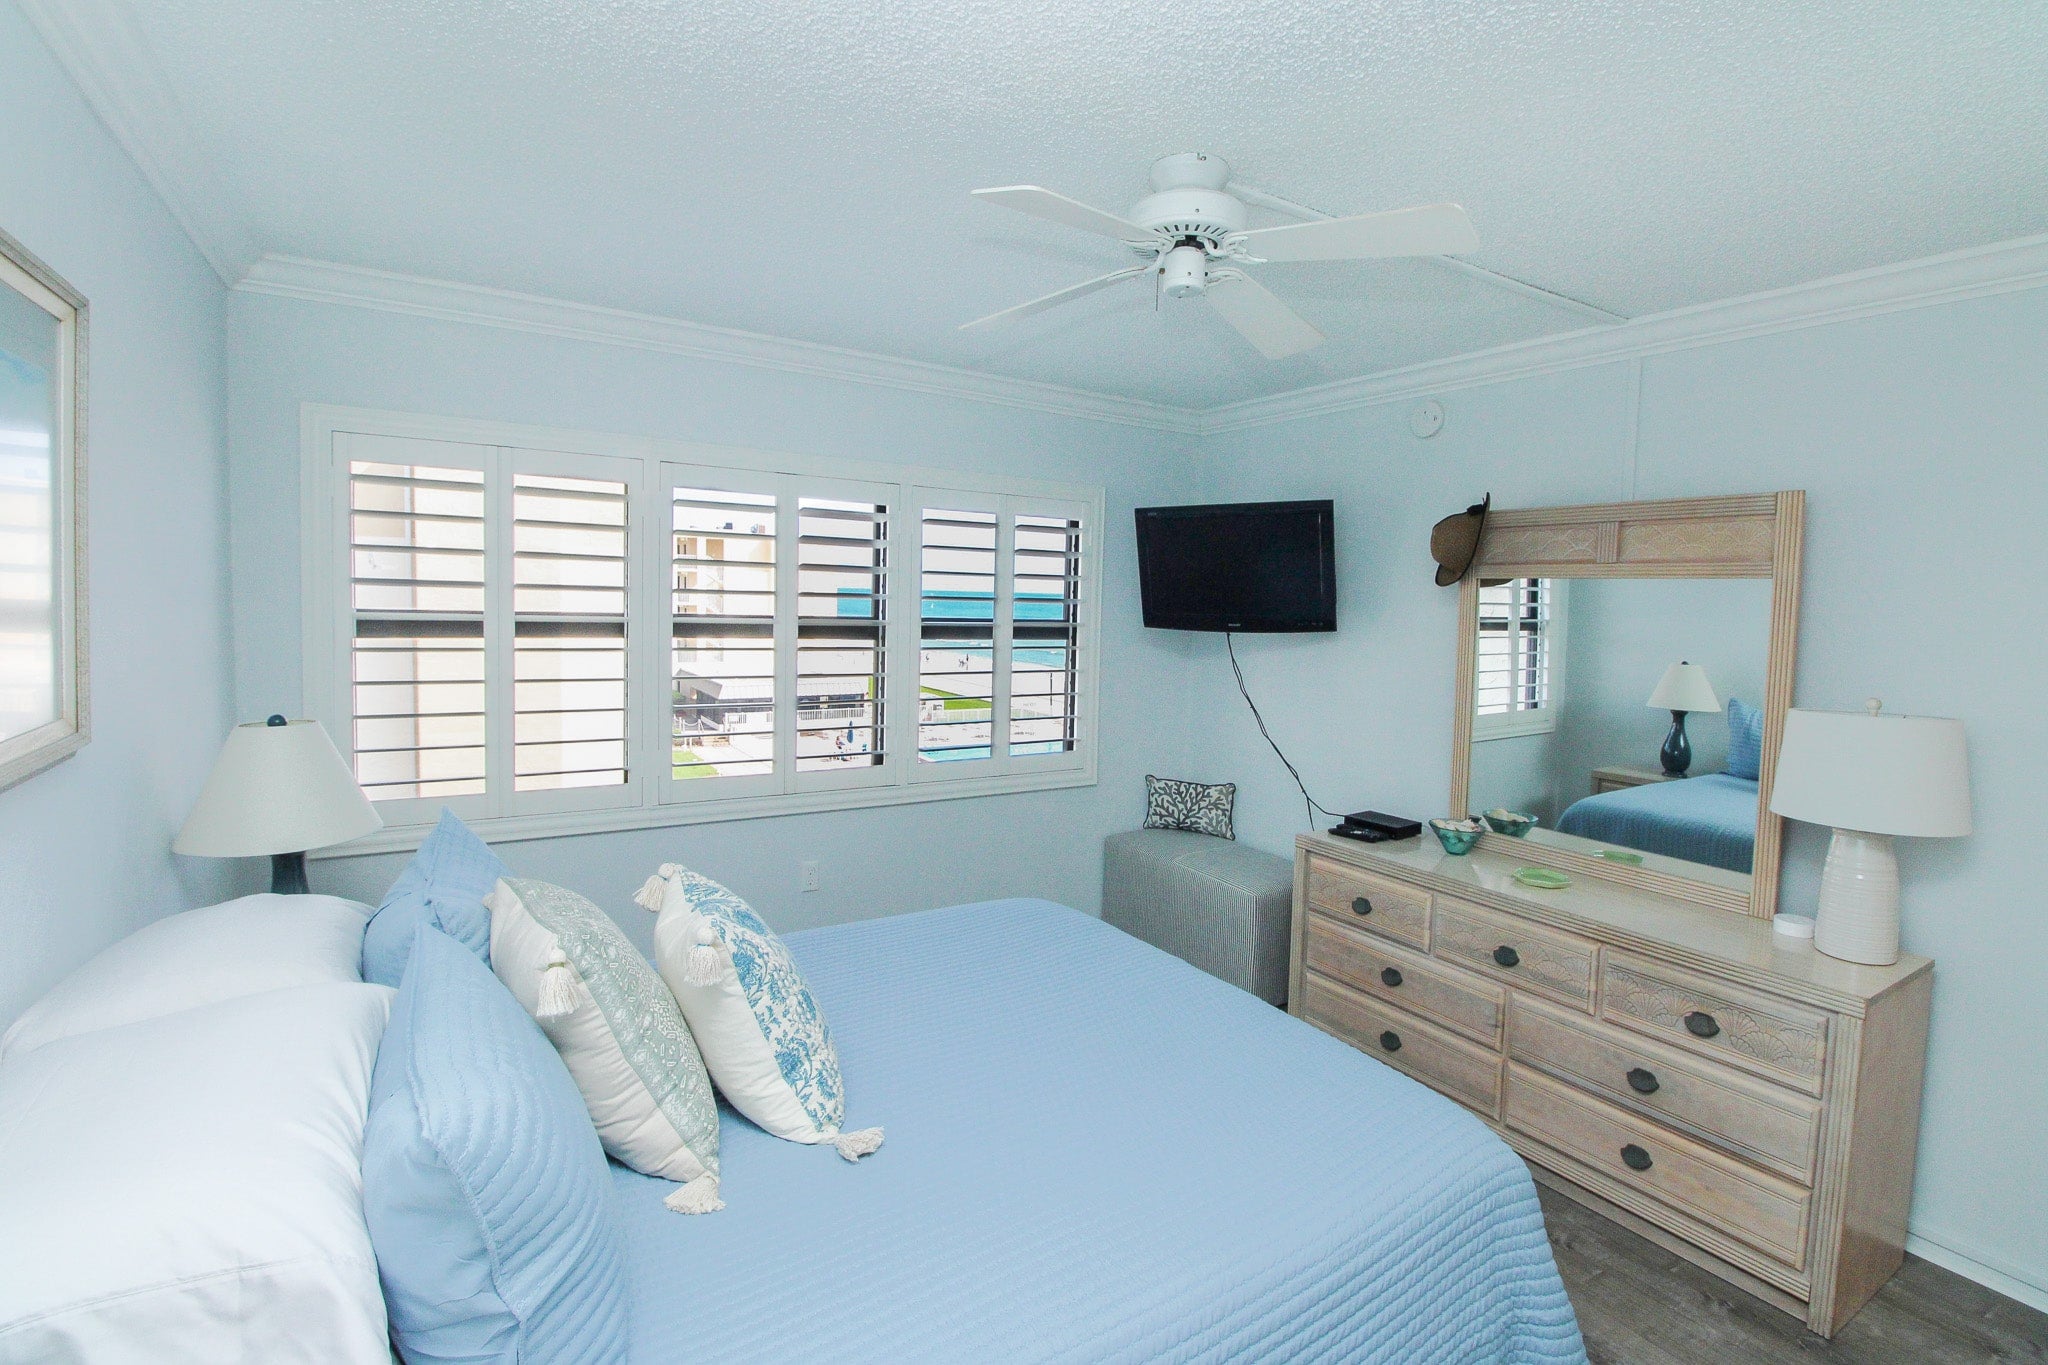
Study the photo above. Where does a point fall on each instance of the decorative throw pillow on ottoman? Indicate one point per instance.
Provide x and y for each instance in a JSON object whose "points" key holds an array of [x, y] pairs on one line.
{"points": [[618, 1029], [762, 1034], [1202, 807]]}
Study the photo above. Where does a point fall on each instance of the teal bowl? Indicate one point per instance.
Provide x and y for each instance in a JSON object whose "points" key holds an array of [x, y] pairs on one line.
{"points": [[1456, 842], [1512, 823]]}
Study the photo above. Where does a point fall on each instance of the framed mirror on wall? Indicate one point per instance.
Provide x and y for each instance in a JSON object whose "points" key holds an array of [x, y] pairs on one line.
{"points": [[1623, 676], [44, 715]]}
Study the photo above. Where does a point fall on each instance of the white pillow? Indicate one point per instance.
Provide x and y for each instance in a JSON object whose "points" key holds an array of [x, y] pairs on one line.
{"points": [[190, 1187], [618, 1030], [198, 957], [764, 1037]]}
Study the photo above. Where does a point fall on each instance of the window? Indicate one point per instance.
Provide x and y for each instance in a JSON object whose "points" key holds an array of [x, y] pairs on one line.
{"points": [[1520, 656], [635, 633]]}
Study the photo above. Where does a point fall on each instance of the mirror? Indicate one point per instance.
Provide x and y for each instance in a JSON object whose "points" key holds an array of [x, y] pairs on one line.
{"points": [[1564, 726], [1582, 630], [44, 716]]}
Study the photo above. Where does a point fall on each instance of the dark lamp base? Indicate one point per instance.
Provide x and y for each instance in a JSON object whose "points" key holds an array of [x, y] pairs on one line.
{"points": [[1676, 754], [288, 874]]}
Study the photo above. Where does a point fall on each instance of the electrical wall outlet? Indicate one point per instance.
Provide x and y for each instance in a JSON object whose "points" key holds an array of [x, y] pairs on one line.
{"points": [[807, 876]]}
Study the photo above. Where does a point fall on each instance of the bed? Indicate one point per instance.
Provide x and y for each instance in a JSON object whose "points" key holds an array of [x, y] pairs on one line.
{"points": [[1707, 819], [1095, 1152]]}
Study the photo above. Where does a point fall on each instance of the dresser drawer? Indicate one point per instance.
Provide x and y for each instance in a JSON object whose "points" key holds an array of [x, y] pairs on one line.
{"points": [[1754, 1208], [1771, 1037], [1467, 1073], [1443, 995], [1385, 907], [1548, 961], [1750, 1118]]}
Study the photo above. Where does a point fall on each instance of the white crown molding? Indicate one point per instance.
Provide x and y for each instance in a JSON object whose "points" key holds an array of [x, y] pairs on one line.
{"points": [[2001, 268], [387, 291], [97, 45]]}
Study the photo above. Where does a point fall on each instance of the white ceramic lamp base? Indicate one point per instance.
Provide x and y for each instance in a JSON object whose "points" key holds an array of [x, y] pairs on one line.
{"points": [[1859, 900]]}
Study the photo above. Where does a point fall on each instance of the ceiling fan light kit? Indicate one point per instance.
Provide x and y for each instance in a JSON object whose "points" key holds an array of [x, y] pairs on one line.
{"points": [[1194, 233]]}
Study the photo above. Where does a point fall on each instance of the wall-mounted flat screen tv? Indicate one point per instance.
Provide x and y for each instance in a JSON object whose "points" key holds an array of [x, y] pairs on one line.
{"points": [[1244, 566]]}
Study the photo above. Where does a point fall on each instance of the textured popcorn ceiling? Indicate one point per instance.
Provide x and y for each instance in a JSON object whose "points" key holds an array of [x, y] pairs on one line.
{"points": [[802, 169]]}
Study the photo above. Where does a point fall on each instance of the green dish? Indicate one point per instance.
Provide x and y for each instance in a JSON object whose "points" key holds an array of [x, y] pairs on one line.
{"points": [[1542, 878], [1623, 856]]}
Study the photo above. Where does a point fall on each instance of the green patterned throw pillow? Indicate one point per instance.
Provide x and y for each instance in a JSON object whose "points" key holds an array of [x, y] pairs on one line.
{"points": [[619, 1031], [1203, 807]]}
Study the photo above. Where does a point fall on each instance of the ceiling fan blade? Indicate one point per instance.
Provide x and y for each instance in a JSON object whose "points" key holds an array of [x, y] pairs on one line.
{"points": [[1277, 330], [1431, 230], [1057, 208], [1054, 300]]}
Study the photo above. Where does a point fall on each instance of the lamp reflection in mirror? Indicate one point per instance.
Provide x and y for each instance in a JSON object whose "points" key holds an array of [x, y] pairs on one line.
{"points": [[1870, 776], [1684, 687], [279, 788]]}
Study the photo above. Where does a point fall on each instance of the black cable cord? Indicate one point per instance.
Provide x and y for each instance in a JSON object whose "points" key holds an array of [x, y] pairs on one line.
{"points": [[1230, 646]]}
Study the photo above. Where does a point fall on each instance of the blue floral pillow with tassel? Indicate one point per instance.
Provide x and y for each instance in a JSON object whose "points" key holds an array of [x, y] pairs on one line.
{"points": [[763, 1037]]}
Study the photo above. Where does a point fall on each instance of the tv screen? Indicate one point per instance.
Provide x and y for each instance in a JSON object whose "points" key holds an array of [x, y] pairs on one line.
{"points": [[1246, 566]]}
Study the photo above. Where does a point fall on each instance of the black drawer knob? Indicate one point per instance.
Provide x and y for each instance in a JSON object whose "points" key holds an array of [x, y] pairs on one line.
{"points": [[1361, 905], [1391, 1041], [1701, 1025], [1389, 976], [1641, 1081], [1506, 956], [1636, 1158]]}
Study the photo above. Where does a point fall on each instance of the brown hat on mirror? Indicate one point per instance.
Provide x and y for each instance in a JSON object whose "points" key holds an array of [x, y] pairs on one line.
{"points": [[1454, 541]]}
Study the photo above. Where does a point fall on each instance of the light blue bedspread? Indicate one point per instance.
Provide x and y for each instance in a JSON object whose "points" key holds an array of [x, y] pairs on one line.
{"points": [[1707, 819], [1095, 1153]]}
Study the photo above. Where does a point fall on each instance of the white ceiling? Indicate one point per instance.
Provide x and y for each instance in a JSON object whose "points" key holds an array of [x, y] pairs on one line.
{"points": [[802, 170]]}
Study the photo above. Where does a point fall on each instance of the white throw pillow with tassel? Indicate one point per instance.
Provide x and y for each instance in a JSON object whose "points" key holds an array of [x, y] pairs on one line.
{"points": [[762, 1035], [618, 1030]]}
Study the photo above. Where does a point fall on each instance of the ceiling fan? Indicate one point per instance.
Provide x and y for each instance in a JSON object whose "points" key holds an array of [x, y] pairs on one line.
{"points": [[1191, 232]]}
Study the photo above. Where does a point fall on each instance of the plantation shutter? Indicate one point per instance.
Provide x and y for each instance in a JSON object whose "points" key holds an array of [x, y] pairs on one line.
{"points": [[957, 637], [1517, 656], [1045, 649], [569, 632], [416, 598], [842, 634]]}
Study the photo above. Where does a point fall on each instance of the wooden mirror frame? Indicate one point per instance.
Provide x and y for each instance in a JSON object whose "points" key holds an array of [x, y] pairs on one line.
{"points": [[1741, 537]]}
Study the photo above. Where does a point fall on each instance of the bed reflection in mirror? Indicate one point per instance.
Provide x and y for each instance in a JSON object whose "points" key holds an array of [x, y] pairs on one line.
{"points": [[1577, 682]]}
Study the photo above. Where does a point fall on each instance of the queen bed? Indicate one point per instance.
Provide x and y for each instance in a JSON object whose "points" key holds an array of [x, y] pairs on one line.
{"points": [[1707, 819], [1095, 1153]]}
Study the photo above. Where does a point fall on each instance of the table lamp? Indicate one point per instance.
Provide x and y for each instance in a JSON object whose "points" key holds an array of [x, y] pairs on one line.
{"points": [[278, 787], [1683, 688], [1869, 776]]}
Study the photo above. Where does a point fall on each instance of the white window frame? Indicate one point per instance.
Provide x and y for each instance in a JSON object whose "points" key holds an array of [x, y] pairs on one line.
{"points": [[651, 796], [1542, 719]]}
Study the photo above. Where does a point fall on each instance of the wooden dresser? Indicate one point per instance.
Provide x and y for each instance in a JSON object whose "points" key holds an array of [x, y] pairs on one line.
{"points": [[1741, 1099]]}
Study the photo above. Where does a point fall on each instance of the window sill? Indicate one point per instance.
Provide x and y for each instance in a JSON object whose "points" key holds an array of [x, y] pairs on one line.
{"points": [[1482, 732], [512, 829]]}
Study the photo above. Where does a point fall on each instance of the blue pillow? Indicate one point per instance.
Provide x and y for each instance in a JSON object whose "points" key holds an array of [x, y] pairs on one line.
{"points": [[1745, 740], [485, 1188], [444, 885]]}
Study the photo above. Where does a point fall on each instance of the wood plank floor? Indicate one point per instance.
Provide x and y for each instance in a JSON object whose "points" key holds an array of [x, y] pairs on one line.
{"points": [[1640, 1305]]}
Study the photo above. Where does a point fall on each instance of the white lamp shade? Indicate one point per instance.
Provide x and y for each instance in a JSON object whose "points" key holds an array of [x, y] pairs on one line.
{"points": [[1684, 687], [276, 789], [1880, 774]]}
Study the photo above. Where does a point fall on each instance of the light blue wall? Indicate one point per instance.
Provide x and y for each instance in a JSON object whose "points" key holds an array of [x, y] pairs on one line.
{"points": [[283, 352], [85, 847], [1921, 438]]}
